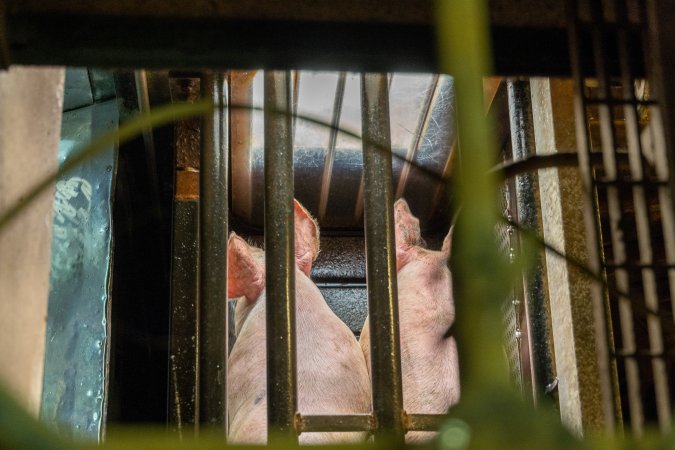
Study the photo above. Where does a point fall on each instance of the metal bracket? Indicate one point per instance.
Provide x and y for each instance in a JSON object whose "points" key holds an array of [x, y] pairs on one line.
{"points": [[4, 45]]}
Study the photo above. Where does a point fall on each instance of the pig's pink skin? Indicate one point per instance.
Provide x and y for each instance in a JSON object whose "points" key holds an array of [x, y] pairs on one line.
{"points": [[332, 374], [429, 364]]}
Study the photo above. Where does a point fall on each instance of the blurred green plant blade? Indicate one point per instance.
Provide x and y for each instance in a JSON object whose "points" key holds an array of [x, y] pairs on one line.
{"points": [[20, 430], [480, 271]]}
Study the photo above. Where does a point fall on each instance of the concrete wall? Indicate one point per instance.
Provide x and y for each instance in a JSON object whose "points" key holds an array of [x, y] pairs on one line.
{"points": [[30, 126]]}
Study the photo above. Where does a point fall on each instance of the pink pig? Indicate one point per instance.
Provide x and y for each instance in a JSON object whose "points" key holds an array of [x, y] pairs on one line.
{"points": [[429, 365], [332, 373]]}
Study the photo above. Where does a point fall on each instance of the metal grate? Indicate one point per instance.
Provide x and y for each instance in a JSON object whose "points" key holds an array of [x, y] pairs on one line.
{"points": [[629, 211]]}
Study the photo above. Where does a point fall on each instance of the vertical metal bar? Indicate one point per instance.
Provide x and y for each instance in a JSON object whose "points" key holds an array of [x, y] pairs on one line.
{"points": [[641, 209], [381, 258], [660, 14], [614, 202], [184, 293], [600, 313], [213, 311], [523, 145], [280, 256], [330, 152]]}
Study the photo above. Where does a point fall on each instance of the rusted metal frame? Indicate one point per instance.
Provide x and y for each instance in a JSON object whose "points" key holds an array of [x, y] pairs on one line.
{"points": [[381, 259], [641, 208], [658, 14], [427, 108], [280, 257], [213, 233], [330, 151], [614, 205], [610, 404]]}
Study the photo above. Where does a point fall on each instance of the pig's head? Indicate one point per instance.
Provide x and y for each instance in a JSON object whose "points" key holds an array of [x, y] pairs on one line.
{"points": [[245, 277], [246, 264], [409, 242]]}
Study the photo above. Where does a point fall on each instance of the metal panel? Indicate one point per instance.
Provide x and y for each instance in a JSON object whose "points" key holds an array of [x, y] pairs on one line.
{"points": [[75, 374], [77, 90]]}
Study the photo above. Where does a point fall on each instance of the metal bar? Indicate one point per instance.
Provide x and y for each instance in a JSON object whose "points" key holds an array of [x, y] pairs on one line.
{"points": [[280, 256], [660, 16], [341, 423], [213, 311], [381, 259], [620, 101], [641, 208], [600, 313], [419, 133], [523, 145], [614, 202], [424, 422], [330, 151], [364, 422], [183, 379]]}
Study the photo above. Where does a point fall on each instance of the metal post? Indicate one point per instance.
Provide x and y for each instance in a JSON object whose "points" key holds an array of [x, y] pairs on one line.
{"points": [[280, 256], [213, 311], [381, 258], [527, 184]]}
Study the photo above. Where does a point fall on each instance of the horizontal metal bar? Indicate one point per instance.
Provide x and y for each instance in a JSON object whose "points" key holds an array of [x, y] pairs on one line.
{"points": [[643, 354], [619, 182], [364, 422], [351, 422], [350, 35], [340, 285], [619, 101], [638, 265], [423, 422]]}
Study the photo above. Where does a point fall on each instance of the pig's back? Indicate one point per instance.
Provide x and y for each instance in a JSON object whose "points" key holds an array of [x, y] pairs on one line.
{"points": [[429, 362], [332, 374]]}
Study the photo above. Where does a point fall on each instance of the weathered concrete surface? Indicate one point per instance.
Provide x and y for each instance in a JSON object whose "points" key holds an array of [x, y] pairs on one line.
{"points": [[562, 199], [30, 125]]}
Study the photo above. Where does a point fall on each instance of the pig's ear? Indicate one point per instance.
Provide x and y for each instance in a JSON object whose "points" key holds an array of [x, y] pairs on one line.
{"points": [[407, 232], [447, 242], [245, 275], [306, 238]]}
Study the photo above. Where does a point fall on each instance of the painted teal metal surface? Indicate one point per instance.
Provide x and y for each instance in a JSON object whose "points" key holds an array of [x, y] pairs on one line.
{"points": [[76, 353]]}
